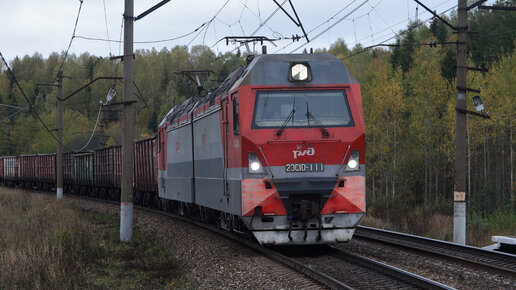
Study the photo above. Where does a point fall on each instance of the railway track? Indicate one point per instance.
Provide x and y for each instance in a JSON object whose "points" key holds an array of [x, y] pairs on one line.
{"points": [[365, 273], [359, 272], [471, 255], [355, 271], [322, 278]]}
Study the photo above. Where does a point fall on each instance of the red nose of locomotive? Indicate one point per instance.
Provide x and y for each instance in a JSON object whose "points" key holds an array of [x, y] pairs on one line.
{"points": [[304, 153]]}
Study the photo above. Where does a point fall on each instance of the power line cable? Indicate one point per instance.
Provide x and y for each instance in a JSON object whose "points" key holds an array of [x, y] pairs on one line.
{"points": [[401, 22], [146, 41], [52, 83], [396, 35], [36, 113], [266, 20], [331, 26], [276, 34], [258, 17], [331, 18], [94, 129], [324, 22], [209, 23], [69, 45], [10, 116], [27, 99], [10, 106], [107, 30], [259, 11]]}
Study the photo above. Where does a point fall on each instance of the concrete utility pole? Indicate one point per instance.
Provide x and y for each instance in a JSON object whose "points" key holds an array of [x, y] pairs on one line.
{"points": [[459, 193], [59, 157], [126, 200]]}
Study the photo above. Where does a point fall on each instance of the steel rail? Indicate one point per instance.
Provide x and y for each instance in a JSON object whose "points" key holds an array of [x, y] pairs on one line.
{"points": [[386, 276], [401, 278], [485, 258], [275, 256], [398, 278], [315, 275]]}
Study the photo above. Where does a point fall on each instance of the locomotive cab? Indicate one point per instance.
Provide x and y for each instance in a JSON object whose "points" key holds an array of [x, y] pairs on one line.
{"points": [[277, 150], [302, 149]]}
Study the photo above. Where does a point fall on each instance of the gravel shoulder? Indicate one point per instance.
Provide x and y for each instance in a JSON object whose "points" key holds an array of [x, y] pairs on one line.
{"points": [[444, 271], [210, 261]]}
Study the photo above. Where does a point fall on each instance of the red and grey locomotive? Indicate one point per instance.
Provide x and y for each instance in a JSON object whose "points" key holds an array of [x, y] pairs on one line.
{"points": [[277, 150]]}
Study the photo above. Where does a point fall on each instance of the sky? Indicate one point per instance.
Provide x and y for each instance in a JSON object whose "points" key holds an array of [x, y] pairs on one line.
{"points": [[46, 26]]}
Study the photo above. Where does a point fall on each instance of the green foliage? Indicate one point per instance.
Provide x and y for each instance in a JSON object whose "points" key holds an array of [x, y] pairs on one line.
{"points": [[439, 30], [157, 89], [402, 53], [449, 64], [339, 48], [409, 112], [495, 33], [408, 96]]}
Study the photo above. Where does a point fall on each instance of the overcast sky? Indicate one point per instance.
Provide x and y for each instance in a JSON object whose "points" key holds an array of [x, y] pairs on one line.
{"points": [[45, 26]]}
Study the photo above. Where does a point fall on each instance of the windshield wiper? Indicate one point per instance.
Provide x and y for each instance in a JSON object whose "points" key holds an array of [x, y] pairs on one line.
{"points": [[291, 115], [309, 116]]}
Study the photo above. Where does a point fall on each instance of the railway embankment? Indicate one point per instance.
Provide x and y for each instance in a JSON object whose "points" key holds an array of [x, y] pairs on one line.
{"points": [[165, 253], [75, 242], [46, 244]]}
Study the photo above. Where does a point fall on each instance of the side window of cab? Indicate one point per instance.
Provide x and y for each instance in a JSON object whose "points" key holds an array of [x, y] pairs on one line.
{"points": [[236, 123]]}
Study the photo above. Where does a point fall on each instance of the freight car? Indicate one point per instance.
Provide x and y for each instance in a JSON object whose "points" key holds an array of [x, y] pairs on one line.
{"points": [[94, 173], [277, 150], [11, 170]]}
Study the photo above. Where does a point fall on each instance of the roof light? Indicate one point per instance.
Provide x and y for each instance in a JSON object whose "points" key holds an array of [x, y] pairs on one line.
{"points": [[300, 72]]}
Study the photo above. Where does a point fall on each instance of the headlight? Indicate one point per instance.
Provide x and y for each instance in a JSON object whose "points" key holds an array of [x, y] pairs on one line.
{"points": [[353, 162], [254, 164]]}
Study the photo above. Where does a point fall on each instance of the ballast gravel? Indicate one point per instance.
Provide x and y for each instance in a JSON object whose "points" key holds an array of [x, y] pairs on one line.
{"points": [[446, 271], [209, 260]]}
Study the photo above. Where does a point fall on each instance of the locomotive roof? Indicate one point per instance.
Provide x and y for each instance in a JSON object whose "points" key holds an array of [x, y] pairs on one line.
{"points": [[272, 69]]}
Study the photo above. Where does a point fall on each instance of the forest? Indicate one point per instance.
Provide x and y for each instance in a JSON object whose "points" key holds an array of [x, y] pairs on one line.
{"points": [[409, 99]]}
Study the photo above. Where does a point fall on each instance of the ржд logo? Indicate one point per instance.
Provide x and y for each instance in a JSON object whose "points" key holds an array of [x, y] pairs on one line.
{"points": [[310, 151]]}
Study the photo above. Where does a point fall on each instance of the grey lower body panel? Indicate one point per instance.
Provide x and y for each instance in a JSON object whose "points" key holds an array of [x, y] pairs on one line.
{"points": [[297, 237], [335, 228], [210, 192]]}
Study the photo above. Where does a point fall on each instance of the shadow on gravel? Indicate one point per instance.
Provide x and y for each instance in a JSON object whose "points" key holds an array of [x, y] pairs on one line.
{"points": [[296, 251]]}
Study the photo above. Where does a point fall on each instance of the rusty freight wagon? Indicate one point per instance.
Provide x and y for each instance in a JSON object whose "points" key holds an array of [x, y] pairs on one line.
{"points": [[47, 171], [104, 170], [28, 170], [145, 171], [117, 166], [68, 171], [1, 169]]}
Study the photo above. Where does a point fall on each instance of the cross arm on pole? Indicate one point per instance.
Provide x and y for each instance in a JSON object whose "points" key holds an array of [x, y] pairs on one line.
{"points": [[437, 16], [150, 10], [86, 85], [478, 3]]}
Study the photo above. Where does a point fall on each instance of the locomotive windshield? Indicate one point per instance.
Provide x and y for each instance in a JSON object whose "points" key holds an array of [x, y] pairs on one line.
{"points": [[288, 109]]}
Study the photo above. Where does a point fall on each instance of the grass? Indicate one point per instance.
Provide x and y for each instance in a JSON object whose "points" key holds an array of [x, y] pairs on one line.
{"points": [[436, 221], [45, 244]]}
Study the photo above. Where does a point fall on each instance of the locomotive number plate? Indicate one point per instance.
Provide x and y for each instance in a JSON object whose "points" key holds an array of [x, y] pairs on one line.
{"points": [[304, 167]]}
